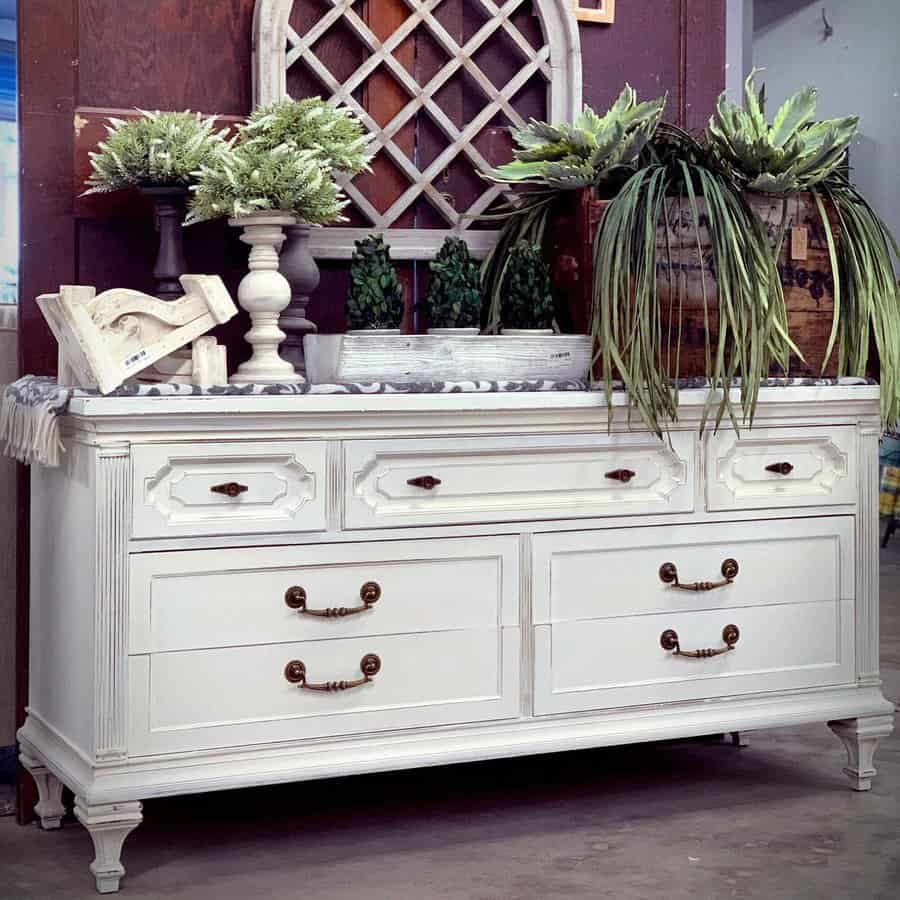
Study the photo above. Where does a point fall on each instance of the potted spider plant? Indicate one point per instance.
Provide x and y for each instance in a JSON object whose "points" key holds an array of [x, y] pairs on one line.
{"points": [[453, 299], [795, 155], [157, 154], [375, 299]]}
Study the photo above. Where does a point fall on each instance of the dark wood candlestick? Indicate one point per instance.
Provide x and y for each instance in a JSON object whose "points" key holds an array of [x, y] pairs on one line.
{"points": [[169, 210]]}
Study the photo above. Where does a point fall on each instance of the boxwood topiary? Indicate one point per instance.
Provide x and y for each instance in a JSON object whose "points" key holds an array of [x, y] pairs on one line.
{"points": [[527, 298], [375, 298], [454, 292]]}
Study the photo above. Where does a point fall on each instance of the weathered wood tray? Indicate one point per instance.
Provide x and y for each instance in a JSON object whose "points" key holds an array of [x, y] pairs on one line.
{"points": [[425, 357]]}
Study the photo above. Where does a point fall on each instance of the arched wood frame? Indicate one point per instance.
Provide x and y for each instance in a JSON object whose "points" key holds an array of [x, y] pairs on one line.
{"points": [[560, 63]]}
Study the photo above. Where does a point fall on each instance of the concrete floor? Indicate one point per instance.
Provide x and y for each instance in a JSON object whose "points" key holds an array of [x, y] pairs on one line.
{"points": [[677, 820]]}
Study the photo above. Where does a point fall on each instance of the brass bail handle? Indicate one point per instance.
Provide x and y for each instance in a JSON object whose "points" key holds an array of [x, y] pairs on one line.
{"points": [[295, 673], [668, 640], [668, 573], [295, 597]]}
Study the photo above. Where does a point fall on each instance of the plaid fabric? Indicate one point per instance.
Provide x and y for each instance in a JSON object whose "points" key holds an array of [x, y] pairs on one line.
{"points": [[889, 497]]}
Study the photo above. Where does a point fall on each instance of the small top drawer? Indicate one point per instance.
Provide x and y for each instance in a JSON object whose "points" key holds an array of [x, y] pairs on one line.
{"points": [[240, 487], [776, 467], [451, 481]]}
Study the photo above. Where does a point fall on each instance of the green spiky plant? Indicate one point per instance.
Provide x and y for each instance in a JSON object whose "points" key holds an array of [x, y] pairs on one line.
{"points": [[155, 149], [527, 295], [333, 132], [593, 151], [375, 298], [791, 154], [453, 299]]}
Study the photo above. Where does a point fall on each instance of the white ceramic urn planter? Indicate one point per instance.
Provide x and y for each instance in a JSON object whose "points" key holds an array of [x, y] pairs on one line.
{"points": [[264, 292]]}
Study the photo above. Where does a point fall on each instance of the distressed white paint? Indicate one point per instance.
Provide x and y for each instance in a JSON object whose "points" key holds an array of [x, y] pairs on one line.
{"points": [[569, 602]]}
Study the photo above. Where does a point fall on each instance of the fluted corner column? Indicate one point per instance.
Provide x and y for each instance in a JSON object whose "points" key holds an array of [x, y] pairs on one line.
{"points": [[264, 292]]}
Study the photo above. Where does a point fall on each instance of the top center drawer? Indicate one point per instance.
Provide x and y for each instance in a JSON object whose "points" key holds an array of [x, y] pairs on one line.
{"points": [[451, 481]]}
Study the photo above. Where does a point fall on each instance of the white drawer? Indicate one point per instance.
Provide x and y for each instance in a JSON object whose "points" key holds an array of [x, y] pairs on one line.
{"points": [[459, 480], [601, 607], [221, 598], [238, 696], [236, 487], [776, 467]]}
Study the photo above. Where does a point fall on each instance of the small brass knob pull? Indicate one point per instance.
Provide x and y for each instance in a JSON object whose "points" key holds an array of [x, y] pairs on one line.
{"points": [[428, 482], [295, 673], [623, 475], [781, 468], [668, 573], [230, 488], [369, 593], [668, 640]]}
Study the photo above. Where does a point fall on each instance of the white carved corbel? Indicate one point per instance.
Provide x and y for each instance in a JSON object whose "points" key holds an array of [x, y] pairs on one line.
{"points": [[105, 339]]}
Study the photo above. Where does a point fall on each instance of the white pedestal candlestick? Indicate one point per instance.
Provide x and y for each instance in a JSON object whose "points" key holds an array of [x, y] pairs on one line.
{"points": [[264, 292]]}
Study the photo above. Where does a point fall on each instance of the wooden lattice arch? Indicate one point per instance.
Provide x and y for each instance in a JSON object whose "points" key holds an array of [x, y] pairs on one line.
{"points": [[543, 49]]}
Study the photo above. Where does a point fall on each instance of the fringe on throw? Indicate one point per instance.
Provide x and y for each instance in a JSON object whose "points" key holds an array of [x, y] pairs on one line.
{"points": [[31, 433]]}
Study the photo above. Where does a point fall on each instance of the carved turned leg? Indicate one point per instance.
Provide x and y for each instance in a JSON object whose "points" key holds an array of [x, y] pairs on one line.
{"points": [[108, 825], [49, 807], [860, 737]]}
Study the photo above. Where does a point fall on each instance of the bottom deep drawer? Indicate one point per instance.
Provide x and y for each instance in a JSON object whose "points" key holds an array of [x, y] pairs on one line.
{"points": [[234, 696], [626, 661]]}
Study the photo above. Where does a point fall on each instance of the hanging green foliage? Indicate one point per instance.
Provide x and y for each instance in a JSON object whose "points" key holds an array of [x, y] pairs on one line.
{"points": [[527, 295], [453, 299], [637, 338], [790, 155], [375, 298]]}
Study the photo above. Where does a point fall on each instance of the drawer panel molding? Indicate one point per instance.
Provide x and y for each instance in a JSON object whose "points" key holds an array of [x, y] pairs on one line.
{"points": [[777, 467], [463, 480], [237, 488]]}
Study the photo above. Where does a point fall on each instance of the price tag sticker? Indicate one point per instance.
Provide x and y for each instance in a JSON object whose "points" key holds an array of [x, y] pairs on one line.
{"points": [[799, 242]]}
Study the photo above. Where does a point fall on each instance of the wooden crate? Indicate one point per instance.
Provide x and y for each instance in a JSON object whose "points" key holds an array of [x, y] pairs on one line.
{"points": [[808, 283]]}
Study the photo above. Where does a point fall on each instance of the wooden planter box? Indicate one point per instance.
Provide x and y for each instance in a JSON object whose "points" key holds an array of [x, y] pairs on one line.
{"points": [[808, 283], [409, 358]]}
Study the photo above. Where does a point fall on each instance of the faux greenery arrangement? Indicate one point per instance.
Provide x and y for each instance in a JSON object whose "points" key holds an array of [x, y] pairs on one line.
{"points": [[594, 151], [284, 158], [375, 298], [158, 149], [454, 292], [792, 155], [786, 157], [527, 295], [246, 179], [334, 133]]}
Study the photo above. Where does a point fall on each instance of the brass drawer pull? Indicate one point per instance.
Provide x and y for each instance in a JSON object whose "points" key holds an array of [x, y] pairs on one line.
{"points": [[230, 488], [669, 574], [623, 475], [427, 482], [369, 593], [668, 640], [782, 468], [295, 673]]}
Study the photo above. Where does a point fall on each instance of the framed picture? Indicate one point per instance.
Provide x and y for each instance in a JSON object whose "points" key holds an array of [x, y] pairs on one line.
{"points": [[602, 12]]}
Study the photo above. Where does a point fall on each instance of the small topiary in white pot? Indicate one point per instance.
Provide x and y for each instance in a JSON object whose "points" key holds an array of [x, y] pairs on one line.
{"points": [[375, 299], [454, 295], [526, 306]]}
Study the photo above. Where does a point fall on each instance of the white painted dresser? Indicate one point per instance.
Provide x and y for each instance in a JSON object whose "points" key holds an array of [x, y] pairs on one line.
{"points": [[236, 591]]}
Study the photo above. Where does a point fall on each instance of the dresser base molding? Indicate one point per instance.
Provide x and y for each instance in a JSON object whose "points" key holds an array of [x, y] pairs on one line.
{"points": [[190, 773]]}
